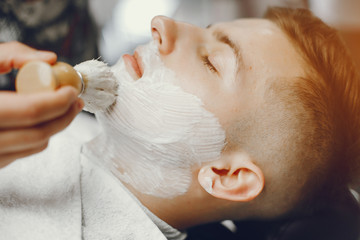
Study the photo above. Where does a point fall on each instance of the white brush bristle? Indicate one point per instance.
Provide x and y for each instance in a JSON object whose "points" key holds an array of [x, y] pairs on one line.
{"points": [[100, 85]]}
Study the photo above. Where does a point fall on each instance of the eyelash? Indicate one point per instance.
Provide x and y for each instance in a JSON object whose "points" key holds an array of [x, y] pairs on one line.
{"points": [[207, 63]]}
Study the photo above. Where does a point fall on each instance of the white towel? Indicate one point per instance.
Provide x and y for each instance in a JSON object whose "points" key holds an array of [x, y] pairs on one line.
{"points": [[40, 195], [59, 194], [110, 212]]}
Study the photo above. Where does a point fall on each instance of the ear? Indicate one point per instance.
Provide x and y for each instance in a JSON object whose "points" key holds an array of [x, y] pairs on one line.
{"points": [[233, 177]]}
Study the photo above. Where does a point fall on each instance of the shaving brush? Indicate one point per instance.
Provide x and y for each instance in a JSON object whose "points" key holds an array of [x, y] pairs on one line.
{"points": [[94, 81]]}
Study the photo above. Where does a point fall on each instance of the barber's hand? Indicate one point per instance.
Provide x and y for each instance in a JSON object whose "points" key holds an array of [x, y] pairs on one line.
{"points": [[27, 121], [16, 54]]}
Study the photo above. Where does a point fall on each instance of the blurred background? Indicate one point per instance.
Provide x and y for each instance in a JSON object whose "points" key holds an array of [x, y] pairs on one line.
{"points": [[124, 24], [78, 30]]}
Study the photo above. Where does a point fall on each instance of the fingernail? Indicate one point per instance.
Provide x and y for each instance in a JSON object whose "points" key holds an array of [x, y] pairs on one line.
{"points": [[42, 54], [70, 92], [45, 55], [80, 104]]}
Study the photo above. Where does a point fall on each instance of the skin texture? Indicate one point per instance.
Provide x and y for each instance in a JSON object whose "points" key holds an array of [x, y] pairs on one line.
{"points": [[28, 121], [230, 91], [206, 66]]}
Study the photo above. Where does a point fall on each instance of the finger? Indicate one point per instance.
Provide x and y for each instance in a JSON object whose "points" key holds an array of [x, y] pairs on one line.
{"points": [[18, 140], [15, 55], [6, 159], [21, 140], [25, 110]]}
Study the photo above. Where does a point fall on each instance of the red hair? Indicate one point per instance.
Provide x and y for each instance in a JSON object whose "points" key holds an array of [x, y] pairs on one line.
{"points": [[330, 91]]}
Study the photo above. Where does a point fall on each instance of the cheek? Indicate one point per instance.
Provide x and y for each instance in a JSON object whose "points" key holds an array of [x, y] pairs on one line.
{"points": [[226, 103], [193, 77], [223, 104]]}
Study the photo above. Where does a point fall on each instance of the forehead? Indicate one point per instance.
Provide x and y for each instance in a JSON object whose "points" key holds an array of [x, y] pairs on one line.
{"points": [[252, 24], [265, 47], [253, 27], [271, 63]]}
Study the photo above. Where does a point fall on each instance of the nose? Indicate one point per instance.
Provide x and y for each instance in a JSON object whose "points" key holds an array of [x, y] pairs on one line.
{"points": [[163, 31]]}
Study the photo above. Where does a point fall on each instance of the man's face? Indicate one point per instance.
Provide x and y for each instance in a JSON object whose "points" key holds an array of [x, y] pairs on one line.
{"points": [[227, 65]]}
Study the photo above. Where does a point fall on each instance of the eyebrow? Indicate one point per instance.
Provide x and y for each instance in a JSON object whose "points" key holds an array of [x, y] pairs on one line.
{"points": [[224, 38]]}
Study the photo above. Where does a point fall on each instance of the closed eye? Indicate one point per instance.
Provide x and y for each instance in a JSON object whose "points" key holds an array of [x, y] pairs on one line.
{"points": [[208, 64]]}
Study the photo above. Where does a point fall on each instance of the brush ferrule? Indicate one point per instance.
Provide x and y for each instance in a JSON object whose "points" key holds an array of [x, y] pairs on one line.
{"points": [[82, 83]]}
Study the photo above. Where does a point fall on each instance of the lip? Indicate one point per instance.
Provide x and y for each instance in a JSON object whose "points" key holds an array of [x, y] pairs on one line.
{"points": [[133, 65], [139, 62]]}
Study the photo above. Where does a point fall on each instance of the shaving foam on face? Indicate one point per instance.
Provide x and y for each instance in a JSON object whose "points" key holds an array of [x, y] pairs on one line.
{"points": [[155, 132]]}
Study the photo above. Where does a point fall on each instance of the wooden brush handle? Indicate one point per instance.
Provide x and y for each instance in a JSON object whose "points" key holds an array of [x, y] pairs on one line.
{"points": [[37, 76]]}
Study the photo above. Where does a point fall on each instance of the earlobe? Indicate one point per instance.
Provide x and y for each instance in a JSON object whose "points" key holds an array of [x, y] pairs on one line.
{"points": [[234, 178]]}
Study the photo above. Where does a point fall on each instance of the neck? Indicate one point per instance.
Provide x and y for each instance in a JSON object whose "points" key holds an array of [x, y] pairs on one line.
{"points": [[196, 207], [178, 212]]}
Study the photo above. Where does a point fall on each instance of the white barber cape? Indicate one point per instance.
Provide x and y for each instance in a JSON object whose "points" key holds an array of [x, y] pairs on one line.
{"points": [[61, 194]]}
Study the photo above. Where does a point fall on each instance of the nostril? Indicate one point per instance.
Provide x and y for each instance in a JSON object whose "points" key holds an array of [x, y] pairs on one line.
{"points": [[156, 35], [163, 31]]}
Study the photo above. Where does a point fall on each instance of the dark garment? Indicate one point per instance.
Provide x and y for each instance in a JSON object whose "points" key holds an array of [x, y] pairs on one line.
{"points": [[69, 32], [335, 221], [64, 27]]}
